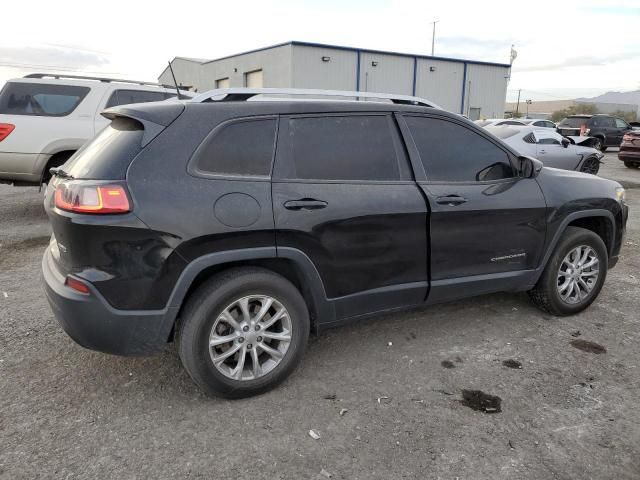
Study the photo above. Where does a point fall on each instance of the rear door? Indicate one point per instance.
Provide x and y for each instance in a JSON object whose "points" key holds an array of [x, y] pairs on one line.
{"points": [[343, 194], [487, 225]]}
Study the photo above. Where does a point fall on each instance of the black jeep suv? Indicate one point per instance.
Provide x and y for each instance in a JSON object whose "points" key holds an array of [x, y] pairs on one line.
{"points": [[236, 227], [608, 131]]}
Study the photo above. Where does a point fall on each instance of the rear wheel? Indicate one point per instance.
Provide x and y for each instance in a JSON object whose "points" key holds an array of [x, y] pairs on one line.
{"points": [[574, 274], [598, 144], [591, 165], [243, 332]]}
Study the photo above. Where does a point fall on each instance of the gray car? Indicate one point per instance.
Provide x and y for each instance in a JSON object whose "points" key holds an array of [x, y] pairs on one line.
{"points": [[551, 148]]}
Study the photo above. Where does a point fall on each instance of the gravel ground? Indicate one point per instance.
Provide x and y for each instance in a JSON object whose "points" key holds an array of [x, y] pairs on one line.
{"points": [[70, 413]]}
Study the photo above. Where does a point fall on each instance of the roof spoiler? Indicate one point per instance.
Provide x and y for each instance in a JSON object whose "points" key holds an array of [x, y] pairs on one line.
{"points": [[154, 117]]}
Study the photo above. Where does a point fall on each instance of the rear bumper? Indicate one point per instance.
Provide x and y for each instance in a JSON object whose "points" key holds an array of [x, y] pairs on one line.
{"points": [[628, 153], [92, 323], [23, 167]]}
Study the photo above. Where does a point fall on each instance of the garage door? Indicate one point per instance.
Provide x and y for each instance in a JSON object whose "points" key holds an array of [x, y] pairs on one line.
{"points": [[253, 79], [222, 83]]}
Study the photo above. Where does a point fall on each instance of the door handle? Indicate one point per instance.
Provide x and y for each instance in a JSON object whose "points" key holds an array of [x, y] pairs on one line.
{"points": [[451, 200], [305, 204], [543, 151]]}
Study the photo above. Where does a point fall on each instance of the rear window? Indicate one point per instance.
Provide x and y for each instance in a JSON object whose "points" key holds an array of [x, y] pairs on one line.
{"points": [[110, 153], [40, 99], [573, 122]]}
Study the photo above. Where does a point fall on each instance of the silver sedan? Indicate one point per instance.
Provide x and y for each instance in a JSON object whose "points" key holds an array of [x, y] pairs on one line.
{"points": [[551, 148]]}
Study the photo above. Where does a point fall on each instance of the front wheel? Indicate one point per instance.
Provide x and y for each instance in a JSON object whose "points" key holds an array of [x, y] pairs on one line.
{"points": [[243, 332], [630, 164], [591, 165], [574, 274], [598, 144]]}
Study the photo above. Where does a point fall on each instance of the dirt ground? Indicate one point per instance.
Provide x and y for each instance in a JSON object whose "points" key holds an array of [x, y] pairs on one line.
{"points": [[568, 409]]}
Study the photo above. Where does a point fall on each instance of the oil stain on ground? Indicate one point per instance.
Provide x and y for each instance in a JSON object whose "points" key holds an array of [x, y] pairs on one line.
{"points": [[481, 402], [447, 364], [511, 363], [587, 346]]}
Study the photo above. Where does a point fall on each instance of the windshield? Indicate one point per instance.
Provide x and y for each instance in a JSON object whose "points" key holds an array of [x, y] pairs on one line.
{"points": [[573, 122], [40, 99]]}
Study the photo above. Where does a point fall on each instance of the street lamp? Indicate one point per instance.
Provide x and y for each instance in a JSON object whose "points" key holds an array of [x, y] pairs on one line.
{"points": [[528, 103]]}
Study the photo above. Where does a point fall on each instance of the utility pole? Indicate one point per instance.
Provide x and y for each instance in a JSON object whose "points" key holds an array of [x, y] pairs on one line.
{"points": [[518, 104], [433, 37]]}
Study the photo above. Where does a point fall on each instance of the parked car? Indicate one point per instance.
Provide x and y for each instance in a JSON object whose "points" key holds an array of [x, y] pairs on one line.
{"points": [[499, 122], [630, 149], [45, 118], [552, 149], [538, 122], [235, 227], [607, 129]]}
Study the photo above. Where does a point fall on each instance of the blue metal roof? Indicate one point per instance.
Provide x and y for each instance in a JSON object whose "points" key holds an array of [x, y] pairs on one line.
{"points": [[368, 50]]}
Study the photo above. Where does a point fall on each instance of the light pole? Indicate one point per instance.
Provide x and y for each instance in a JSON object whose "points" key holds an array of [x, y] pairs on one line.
{"points": [[433, 37], [528, 103]]}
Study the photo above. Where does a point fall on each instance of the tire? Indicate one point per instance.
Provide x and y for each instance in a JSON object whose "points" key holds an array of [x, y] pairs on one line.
{"points": [[591, 165], [630, 164], [546, 296], [598, 144], [205, 310], [603, 149]]}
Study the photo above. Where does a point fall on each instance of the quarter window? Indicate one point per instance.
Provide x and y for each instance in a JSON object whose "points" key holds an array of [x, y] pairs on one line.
{"points": [[358, 147], [242, 148], [40, 99], [126, 97], [453, 153]]}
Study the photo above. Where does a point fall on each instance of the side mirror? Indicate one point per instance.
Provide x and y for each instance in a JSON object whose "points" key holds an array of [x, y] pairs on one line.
{"points": [[530, 167], [565, 142]]}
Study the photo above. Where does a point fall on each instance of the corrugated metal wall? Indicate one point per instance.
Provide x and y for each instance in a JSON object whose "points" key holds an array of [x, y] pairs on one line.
{"points": [[187, 73], [386, 73], [336, 73], [443, 85], [302, 66], [486, 88], [274, 62]]}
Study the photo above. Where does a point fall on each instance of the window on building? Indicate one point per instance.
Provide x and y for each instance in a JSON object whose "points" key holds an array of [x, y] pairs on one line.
{"points": [[241, 148], [453, 153], [359, 147]]}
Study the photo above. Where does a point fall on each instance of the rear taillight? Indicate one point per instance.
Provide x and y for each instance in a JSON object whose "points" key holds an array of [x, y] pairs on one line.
{"points": [[5, 130], [80, 197], [76, 285]]}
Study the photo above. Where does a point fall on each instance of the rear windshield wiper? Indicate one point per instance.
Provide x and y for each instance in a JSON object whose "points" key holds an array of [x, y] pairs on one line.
{"points": [[58, 172]]}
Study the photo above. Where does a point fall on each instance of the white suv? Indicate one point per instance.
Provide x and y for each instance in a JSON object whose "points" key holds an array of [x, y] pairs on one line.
{"points": [[45, 118]]}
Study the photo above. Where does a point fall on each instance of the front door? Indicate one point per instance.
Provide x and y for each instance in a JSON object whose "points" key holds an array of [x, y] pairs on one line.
{"points": [[343, 195], [487, 224]]}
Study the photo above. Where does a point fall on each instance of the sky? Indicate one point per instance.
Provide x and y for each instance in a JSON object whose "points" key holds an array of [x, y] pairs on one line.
{"points": [[565, 49]]}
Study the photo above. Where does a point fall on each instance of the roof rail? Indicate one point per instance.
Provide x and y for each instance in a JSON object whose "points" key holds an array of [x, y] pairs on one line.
{"points": [[83, 77], [243, 94]]}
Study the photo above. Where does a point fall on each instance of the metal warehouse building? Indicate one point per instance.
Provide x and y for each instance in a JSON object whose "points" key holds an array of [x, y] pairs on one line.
{"points": [[476, 89]]}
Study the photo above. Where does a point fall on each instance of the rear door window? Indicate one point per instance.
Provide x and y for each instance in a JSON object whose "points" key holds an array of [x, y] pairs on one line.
{"points": [[40, 99], [126, 97], [340, 147], [241, 148]]}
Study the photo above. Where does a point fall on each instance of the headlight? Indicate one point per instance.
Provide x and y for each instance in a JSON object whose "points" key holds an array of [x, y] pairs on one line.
{"points": [[621, 195]]}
